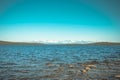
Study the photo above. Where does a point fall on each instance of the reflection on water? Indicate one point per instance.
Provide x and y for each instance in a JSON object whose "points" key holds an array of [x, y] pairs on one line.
{"points": [[30, 62]]}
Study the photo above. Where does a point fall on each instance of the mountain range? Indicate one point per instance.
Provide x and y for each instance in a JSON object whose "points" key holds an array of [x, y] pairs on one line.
{"points": [[63, 42], [66, 42]]}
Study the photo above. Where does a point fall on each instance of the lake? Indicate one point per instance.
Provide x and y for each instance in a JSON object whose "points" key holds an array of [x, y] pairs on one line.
{"points": [[26, 62]]}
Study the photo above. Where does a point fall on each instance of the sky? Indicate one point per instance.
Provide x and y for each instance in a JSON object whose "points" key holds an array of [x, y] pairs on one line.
{"points": [[34, 20]]}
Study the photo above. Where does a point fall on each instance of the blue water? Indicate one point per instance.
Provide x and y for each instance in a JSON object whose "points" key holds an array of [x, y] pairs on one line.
{"points": [[57, 53], [29, 61]]}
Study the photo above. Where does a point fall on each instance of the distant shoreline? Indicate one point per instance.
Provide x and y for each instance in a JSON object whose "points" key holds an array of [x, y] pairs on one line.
{"points": [[34, 43]]}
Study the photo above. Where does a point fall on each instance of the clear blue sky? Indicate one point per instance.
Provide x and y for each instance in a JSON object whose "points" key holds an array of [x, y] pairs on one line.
{"points": [[29, 20]]}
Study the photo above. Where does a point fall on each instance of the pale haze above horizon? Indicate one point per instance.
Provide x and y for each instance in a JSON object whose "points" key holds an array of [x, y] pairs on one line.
{"points": [[59, 20]]}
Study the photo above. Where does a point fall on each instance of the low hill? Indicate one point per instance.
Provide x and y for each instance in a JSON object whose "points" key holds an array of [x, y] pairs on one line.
{"points": [[105, 43], [19, 43], [33, 43]]}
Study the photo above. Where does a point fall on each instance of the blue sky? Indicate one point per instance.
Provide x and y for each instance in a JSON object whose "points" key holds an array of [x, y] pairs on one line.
{"points": [[29, 20]]}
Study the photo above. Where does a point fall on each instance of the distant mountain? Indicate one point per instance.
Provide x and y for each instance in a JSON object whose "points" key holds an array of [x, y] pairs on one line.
{"points": [[106, 43], [66, 42], [20, 43], [5, 42]]}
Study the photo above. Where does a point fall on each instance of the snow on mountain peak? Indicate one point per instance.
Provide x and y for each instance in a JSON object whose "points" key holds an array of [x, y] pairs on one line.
{"points": [[64, 42]]}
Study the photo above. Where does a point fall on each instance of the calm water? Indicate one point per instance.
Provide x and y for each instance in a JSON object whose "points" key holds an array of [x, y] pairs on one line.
{"points": [[57, 53], [19, 57]]}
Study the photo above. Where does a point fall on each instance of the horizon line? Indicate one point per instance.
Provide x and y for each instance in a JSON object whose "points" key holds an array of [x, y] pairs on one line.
{"points": [[60, 41]]}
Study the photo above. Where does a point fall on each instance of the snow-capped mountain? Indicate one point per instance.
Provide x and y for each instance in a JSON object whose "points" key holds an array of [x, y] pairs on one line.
{"points": [[64, 42]]}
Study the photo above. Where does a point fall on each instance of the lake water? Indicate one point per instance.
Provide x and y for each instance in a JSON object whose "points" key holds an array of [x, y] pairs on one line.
{"points": [[35, 57]]}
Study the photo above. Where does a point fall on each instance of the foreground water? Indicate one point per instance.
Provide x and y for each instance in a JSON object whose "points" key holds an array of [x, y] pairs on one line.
{"points": [[59, 62]]}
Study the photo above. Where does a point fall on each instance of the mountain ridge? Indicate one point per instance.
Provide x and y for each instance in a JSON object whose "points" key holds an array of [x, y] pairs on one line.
{"points": [[62, 43]]}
